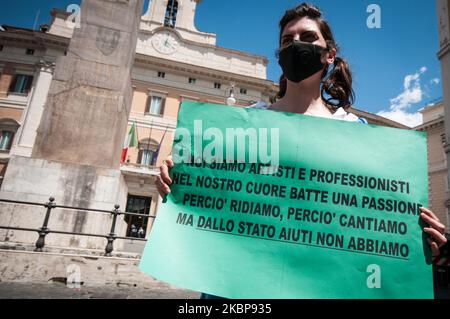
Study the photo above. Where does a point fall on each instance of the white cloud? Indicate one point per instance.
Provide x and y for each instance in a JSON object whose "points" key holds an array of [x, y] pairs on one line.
{"points": [[412, 94], [435, 81], [405, 118]]}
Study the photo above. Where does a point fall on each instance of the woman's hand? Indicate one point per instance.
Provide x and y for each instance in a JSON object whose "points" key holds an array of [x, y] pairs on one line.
{"points": [[435, 229], [163, 181]]}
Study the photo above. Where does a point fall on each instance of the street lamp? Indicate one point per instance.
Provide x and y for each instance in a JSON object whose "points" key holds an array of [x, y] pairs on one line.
{"points": [[231, 100]]}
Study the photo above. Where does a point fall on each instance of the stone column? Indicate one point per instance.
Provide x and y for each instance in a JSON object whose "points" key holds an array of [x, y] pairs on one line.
{"points": [[33, 113], [443, 10], [89, 102]]}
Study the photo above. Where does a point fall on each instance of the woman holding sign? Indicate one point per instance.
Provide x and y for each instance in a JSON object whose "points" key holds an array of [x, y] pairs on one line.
{"points": [[315, 82]]}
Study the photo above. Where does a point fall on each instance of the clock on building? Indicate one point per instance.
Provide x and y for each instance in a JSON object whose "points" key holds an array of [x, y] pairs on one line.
{"points": [[165, 42]]}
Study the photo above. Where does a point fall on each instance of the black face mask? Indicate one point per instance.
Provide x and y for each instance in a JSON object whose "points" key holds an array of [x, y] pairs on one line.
{"points": [[300, 60]]}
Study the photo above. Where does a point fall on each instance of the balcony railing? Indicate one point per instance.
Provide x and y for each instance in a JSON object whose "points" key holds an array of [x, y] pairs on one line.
{"points": [[140, 169]]}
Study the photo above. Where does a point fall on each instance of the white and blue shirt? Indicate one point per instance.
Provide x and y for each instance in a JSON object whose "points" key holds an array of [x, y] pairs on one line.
{"points": [[340, 113]]}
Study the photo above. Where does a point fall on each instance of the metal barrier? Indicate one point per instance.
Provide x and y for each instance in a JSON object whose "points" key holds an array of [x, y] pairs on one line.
{"points": [[51, 205], [441, 273]]}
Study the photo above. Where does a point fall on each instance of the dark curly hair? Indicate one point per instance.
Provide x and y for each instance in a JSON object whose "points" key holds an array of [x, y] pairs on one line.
{"points": [[336, 84]]}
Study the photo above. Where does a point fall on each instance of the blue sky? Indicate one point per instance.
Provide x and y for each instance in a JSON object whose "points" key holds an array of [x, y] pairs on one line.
{"points": [[396, 70]]}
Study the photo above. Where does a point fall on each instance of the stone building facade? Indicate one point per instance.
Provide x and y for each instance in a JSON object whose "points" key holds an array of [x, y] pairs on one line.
{"points": [[433, 125], [443, 14]]}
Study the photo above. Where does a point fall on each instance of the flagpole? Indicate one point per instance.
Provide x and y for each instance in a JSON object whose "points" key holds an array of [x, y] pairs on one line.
{"points": [[136, 132], [159, 147], [150, 137], [137, 135]]}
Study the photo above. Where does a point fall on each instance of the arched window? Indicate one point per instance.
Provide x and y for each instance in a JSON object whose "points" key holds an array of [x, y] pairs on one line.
{"points": [[147, 152], [171, 14], [8, 128]]}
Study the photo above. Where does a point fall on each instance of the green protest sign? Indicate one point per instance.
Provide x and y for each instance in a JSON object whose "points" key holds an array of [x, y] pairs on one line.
{"points": [[312, 208]]}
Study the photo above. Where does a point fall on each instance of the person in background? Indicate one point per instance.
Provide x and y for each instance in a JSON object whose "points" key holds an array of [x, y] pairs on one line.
{"points": [[134, 230], [141, 232]]}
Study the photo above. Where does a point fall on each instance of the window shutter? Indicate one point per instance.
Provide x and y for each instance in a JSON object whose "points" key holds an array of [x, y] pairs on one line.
{"points": [[140, 154], [163, 105], [11, 139], [28, 84], [12, 87], [147, 104]]}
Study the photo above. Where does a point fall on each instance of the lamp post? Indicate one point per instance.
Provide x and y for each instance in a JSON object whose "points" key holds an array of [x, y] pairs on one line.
{"points": [[231, 100]]}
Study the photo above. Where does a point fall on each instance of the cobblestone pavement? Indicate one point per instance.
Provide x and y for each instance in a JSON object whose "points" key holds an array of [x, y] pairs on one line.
{"points": [[61, 291]]}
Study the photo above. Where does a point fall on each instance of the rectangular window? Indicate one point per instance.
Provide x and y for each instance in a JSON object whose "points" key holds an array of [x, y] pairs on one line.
{"points": [[156, 105], [30, 52], [137, 225], [21, 84], [6, 138], [147, 157], [192, 81], [217, 85], [1, 48], [243, 91], [161, 75]]}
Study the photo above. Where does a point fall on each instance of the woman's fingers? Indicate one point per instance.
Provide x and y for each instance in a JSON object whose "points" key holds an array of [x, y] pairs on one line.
{"points": [[436, 236], [169, 161], [434, 248], [433, 223], [163, 188], [429, 213], [165, 174], [163, 181], [436, 230]]}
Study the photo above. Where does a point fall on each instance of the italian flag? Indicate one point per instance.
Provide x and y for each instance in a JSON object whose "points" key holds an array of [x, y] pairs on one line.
{"points": [[130, 141]]}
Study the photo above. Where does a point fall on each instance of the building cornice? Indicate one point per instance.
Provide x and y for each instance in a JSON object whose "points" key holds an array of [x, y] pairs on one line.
{"points": [[55, 11], [192, 69], [438, 169], [137, 170], [185, 93], [53, 40], [13, 104], [430, 125], [21, 39], [156, 122], [36, 39]]}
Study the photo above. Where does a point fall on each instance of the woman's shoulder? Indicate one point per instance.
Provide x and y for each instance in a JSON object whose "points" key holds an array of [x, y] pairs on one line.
{"points": [[340, 113]]}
